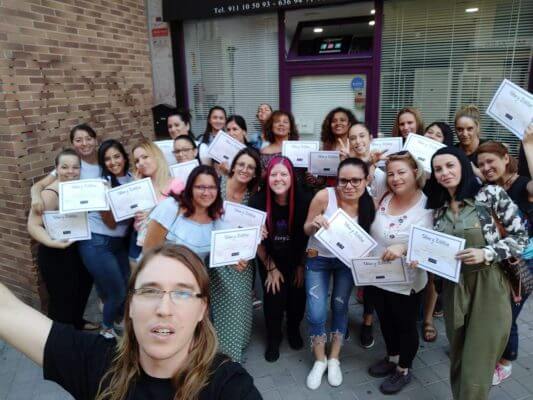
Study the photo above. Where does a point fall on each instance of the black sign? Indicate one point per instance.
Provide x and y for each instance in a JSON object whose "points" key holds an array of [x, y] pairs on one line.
{"points": [[191, 9]]}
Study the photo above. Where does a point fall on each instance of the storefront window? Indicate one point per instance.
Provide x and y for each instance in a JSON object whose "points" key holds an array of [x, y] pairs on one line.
{"points": [[232, 62], [438, 56]]}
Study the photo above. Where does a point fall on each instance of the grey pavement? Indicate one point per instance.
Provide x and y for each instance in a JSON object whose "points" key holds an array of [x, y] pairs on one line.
{"points": [[20, 379]]}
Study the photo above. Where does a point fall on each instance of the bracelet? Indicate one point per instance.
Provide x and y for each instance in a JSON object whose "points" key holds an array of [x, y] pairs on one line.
{"points": [[271, 269]]}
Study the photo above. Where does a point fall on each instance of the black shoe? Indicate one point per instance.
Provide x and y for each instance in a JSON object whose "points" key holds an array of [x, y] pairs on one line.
{"points": [[367, 339], [295, 339], [382, 368], [395, 382], [272, 352]]}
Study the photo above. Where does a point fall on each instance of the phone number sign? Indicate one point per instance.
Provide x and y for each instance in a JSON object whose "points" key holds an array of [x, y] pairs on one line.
{"points": [[192, 9]]}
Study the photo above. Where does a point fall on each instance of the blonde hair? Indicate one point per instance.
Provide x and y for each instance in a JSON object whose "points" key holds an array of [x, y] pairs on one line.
{"points": [[469, 111], [194, 375], [162, 174], [413, 163]]}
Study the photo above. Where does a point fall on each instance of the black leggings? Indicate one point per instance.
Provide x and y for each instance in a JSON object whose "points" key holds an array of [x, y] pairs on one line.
{"points": [[68, 283], [289, 300], [397, 315]]}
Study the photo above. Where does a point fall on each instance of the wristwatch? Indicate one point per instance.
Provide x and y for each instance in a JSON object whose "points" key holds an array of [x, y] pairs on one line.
{"points": [[488, 255]]}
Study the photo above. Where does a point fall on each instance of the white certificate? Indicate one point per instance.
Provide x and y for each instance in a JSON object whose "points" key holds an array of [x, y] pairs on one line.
{"points": [[387, 145], [375, 271], [125, 200], [167, 147], [183, 170], [345, 238], [422, 148], [223, 148], [435, 252], [82, 195], [70, 227], [512, 107], [298, 151], [241, 216], [324, 163], [228, 246]]}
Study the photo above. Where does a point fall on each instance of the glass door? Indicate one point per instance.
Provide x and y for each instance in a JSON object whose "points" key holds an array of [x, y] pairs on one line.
{"points": [[313, 96]]}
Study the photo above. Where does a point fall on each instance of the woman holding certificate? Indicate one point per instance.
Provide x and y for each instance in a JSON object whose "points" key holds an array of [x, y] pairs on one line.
{"points": [[67, 281], [408, 120], [189, 217], [334, 137], [477, 310], [358, 145], [106, 255], [231, 306], [85, 144], [216, 121], [397, 304], [351, 196], [281, 254], [501, 169], [149, 162], [168, 351]]}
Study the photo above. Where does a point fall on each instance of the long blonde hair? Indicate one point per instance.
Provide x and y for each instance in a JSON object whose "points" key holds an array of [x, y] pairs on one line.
{"points": [[162, 174], [194, 374]]}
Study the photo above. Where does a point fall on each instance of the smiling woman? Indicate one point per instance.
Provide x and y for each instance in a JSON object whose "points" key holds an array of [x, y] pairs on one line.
{"points": [[168, 351]]}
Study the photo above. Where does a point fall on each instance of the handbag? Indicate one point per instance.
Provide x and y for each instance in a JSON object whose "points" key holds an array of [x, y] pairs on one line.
{"points": [[516, 270]]}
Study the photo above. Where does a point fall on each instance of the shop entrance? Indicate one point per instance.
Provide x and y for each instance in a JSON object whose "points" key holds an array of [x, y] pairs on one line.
{"points": [[328, 60], [313, 95]]}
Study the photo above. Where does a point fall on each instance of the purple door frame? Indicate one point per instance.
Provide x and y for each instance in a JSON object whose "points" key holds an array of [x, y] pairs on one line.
{"points": [[364, 65]]}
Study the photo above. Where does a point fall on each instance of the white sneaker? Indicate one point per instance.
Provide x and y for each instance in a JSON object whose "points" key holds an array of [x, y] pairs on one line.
{"points": [[334, 372], [501, 372], [314, 379]]}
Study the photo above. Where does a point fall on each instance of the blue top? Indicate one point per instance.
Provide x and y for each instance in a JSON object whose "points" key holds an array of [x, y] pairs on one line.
{"points": [[97, 224], [182, 230]]}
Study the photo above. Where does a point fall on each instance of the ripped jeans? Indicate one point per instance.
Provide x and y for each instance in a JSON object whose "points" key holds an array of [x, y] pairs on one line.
{"points": [[318, 271]]}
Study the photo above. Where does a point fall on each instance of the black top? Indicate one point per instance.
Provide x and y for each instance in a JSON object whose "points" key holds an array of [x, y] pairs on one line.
{"points": [[285, 246], [473, 157], [523, 169], [519, 194], [78, 360]]}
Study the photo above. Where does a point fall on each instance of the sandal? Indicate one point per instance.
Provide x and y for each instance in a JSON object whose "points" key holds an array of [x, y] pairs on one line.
{"points": [[429, 332]]}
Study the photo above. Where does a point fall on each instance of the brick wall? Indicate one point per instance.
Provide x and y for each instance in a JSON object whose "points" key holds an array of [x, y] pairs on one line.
{"points": [[62, 63]]}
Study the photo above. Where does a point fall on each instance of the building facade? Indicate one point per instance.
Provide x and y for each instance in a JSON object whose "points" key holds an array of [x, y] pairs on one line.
{"points": [[373, 57], [62, 63]]}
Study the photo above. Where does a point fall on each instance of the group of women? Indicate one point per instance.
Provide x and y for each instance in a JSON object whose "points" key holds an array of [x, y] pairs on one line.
{"points": [[475, 191]]}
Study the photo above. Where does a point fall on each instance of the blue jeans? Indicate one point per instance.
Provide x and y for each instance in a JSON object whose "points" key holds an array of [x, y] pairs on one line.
{"points": [[318, 271], [106, 259]]}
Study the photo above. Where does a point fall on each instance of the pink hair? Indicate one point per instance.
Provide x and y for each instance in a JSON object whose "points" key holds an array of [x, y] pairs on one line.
{"points": [[288, 164]]}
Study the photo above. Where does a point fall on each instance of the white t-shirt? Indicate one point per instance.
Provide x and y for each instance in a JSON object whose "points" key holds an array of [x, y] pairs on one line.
{"points": [[394, 229]]}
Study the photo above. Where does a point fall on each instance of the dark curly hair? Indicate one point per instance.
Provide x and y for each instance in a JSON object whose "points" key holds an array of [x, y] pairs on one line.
{"points": [[293, 131]]}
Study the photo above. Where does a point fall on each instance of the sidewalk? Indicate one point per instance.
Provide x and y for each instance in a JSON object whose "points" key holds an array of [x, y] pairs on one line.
{"points": [[20, 379]]}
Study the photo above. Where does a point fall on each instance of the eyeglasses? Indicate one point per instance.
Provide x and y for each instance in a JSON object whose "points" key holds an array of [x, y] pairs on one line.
{"points": [[154, 295], [202, 188], [355, 182], [181, 151], [242, 165]]}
